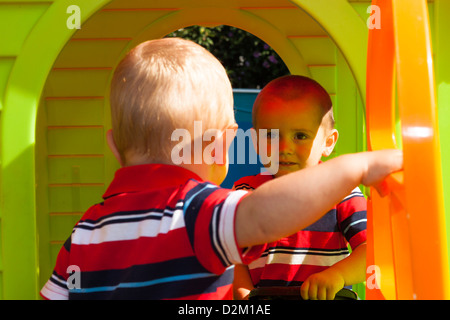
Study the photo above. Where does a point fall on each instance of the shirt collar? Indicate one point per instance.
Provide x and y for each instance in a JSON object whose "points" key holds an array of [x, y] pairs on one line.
{"points": [[148, 176]]}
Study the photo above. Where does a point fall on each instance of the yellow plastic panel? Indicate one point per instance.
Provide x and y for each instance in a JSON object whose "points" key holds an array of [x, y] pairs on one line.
{"points": [[60, 223], [77, 82], [343, 24], [238, 17], [316, 50], [41, 34], [282, 18], [144, 4], [82, 53], [81, 169], [111, 23], [348, 111], [16, 21], [325, 75], [66, 140], [5, 68], [74, 197], [75, 112], [55, 247], [182, 4]]}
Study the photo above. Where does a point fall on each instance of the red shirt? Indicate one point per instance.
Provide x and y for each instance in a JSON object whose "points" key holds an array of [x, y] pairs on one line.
{"points": [[160, 233], [291, 260]]}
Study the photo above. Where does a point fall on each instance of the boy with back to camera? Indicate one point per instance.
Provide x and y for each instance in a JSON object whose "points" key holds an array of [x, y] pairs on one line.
{"points": [[315, 258], [167, 231]]}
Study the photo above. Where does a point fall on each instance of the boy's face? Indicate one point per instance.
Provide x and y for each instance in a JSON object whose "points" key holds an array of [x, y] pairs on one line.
{"points": [[301, 137]]}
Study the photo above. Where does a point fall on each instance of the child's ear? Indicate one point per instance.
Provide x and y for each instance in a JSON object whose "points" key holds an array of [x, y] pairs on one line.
{"points": [[113, 147], [330, 142]]}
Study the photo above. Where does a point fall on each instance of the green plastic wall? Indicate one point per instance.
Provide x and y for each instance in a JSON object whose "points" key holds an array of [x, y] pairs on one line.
{"points": [[441, 46], [54, 109]]}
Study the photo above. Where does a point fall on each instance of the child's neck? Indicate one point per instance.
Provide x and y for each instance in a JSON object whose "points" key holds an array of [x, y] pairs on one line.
{"points": [[133, 159]]}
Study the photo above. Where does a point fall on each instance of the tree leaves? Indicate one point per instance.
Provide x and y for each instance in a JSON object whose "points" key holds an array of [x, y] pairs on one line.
{"points": [[249, 61]]}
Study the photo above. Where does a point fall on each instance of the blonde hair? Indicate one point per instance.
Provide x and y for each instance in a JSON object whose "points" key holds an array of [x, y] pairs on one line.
{"points": [[162, 85]]}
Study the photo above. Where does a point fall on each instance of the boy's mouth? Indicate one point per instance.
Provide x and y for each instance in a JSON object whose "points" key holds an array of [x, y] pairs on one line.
{"points": [[287, 163]]}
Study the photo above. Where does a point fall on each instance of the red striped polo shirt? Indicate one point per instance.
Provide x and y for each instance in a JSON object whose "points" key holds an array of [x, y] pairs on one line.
{"points": [[160, 233], [291, 260]]}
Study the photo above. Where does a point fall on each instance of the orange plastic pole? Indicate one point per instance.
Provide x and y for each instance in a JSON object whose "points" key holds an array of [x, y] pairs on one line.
{"points": [[406, 230], [380, 128], [422, 165]]}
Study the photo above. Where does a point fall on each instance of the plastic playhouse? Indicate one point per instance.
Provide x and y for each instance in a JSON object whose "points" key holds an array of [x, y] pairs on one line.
{"points": [[384, 63]]}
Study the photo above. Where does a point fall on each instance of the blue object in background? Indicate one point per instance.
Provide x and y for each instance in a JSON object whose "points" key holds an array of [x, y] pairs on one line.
{"points": [[243, 104]]}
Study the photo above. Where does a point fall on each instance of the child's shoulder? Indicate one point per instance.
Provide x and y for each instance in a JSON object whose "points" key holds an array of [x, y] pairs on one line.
{"points": [[252, 182]]}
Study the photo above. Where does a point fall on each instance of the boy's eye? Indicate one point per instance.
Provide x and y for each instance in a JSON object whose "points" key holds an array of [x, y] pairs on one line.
{"points": [[300, 136]]}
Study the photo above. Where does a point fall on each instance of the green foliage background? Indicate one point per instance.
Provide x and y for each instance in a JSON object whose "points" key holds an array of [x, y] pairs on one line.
{"points": [[249, 61]]}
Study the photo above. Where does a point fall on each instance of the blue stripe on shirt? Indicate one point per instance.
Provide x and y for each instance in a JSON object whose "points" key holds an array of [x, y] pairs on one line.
{"points": [[143, 284]]}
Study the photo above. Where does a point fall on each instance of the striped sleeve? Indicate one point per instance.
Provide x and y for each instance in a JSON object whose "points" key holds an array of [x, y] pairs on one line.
{"points": [[56, 287], [352, 218], [210, 217]]}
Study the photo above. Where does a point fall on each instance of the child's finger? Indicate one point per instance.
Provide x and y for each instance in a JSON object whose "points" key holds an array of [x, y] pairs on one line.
{"points": [[312, 292], [322, 293], [304, 289], [330, 294]]}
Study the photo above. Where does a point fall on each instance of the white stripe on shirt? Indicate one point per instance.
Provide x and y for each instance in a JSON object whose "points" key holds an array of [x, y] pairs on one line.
{"points": [[129, 230], [226, 230], [299, 256]]}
